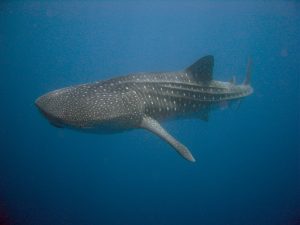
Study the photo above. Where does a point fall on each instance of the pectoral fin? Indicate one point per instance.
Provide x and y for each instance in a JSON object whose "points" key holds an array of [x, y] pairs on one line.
{"points": [[153, 126]]}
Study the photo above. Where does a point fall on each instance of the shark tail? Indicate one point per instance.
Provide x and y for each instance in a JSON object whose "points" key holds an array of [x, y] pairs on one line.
{"points": [[248, 73]]}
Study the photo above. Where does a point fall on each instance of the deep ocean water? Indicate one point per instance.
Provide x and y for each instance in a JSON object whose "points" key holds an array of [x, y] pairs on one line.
{"points": [[248, 163]]}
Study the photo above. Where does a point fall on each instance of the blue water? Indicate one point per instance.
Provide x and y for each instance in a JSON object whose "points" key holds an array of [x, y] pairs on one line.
{"points": [[248, 164]]}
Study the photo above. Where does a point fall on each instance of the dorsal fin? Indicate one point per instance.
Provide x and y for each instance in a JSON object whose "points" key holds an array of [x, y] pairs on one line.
{"points": [[232, 80], [202, 70]]}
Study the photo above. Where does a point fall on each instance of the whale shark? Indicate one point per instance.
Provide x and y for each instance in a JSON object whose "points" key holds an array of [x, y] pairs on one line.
{"points": [[143, 100]]}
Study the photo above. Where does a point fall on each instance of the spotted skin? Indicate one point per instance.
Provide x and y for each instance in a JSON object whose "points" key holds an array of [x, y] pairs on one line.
{"points": [[140, 101]]}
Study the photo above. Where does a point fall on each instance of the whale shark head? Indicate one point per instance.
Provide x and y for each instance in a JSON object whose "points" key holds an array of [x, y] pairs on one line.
{"points": [[54, 106], [87, 106]]}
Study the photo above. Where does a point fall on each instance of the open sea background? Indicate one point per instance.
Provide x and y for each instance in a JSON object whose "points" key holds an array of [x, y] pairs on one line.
{"points": [[248, 164]]}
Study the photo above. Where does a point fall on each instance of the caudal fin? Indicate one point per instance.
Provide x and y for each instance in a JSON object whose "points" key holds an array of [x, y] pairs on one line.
{"points": [[248, 73]]}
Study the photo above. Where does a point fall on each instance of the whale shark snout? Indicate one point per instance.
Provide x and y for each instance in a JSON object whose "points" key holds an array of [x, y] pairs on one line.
{"points": [[47, 106]]}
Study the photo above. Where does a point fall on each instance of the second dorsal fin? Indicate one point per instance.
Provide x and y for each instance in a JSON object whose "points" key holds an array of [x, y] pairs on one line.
{"points": [[202, 70]]}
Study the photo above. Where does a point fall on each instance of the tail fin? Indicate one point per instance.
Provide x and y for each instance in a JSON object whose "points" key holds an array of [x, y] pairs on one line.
{"points": [[248, 73]]}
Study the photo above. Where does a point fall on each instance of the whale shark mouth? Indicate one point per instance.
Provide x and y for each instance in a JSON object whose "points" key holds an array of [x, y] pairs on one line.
{"points": [[56, 122]]}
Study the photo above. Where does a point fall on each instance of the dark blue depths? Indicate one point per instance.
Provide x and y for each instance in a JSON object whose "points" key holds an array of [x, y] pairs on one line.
{"points": [[248, 159]]}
